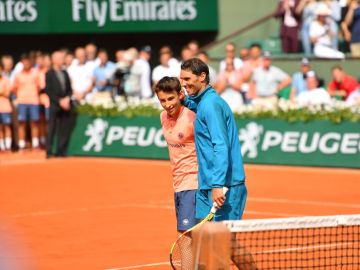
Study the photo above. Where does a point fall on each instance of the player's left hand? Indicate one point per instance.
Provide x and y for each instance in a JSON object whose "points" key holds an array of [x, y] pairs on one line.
{"points": [[218, 197]]}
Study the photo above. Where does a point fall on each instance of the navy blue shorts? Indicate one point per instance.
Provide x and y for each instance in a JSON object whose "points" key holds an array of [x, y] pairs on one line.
{"points": [[28, 112], [185, 209], [232, 209], [5, 118]]}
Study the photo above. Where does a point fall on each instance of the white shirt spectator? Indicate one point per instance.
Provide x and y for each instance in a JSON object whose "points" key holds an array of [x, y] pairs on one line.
{"points": [[161, 71], [213, 75], [354, 98], [81, 77], [173, 62], [145, 85], [320, 32], [316, 96], [92, 64], [267, 81]]}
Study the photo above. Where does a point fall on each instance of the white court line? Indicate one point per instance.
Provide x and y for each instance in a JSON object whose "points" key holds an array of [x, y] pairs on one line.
{"points": [[271, 251], [286, 201], [89, 209], [109, 207], [139, 266], [35, 160], [170, 206], [276, 167], [314, 203]]}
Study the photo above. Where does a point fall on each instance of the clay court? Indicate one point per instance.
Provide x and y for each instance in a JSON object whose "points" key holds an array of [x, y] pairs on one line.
{"points": [[92, 213]]}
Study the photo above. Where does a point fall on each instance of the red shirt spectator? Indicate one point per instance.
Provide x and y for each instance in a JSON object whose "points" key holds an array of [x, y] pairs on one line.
{"points": [[342, 84]]}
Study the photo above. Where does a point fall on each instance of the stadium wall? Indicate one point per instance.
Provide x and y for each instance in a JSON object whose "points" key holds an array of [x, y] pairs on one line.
{"points": [[264, 141]]}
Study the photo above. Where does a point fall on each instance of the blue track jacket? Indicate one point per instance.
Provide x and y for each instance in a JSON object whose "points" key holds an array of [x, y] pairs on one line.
{"points": [[217, 142]]}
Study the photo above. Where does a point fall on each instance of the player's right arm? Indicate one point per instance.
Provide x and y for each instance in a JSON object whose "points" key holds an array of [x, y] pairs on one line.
{"points": [[190, 104]]}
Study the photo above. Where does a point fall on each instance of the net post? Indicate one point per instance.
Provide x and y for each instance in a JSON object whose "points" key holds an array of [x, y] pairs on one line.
{"points": [[211, 247]]}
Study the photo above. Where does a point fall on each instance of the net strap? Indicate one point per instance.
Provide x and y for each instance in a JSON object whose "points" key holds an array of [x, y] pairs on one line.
{"points": [[292, 223]]}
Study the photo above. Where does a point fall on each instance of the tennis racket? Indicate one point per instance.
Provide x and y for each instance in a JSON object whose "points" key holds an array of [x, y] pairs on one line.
{"points": [[180, 252]]}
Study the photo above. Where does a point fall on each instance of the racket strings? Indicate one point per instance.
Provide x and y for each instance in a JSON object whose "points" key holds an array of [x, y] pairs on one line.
{"points": [[181, 256], [182, 253]]}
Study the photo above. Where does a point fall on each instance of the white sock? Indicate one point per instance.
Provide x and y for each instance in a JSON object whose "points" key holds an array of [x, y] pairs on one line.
{"points": [[8, 143], [2, 144], [21, 144], [35, 142]]}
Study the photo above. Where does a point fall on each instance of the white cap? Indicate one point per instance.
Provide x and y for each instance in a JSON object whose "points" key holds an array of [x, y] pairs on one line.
{"points": [[323, 10]]}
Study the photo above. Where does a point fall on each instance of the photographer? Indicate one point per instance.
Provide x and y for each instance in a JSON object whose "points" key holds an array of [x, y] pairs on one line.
{"points": [[121, 72], [126, 77]]}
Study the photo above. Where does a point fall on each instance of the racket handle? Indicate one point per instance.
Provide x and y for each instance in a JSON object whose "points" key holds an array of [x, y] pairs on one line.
{"points": [[213, 208]]}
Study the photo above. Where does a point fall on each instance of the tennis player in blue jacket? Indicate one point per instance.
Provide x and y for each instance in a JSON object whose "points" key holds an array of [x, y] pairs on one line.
{"points": [[217, 146]]}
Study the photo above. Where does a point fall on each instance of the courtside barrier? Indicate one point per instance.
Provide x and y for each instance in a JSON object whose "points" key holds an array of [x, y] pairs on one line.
{"points": [[263, 141]]}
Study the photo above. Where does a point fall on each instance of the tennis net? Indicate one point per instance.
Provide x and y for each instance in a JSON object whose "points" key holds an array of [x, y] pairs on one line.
{"points": [[323, 242]]}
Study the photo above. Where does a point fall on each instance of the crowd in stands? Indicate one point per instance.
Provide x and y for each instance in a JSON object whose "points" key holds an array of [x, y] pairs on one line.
{"points": [[320, 25], [255, 80], [37, 95]]}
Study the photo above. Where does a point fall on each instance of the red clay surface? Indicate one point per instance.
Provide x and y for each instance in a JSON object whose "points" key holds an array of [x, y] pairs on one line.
{"points": [[92, 213]]}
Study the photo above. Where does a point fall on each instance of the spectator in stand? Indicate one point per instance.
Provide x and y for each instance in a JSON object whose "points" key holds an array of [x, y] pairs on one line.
{"points": [[307, 10], [254, 61], [132, 84], [334, 20], [351, 27], [203, 56], [266, 83], [342, 84], [229, 84], [80, 76], [7, 62], [69, 58], [298, 82], [321, 34], [314, 95], [119, 55], [354, 98], [19, 65], [5, 112], [230, 52], [145, 80], [58, 88], [193, 45], [91, 52], [27, 87], [43, 64], [186, 54], [289, 25], [128, 72], [165, 68], [102, 77], [173, 62], [244, 54]]}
